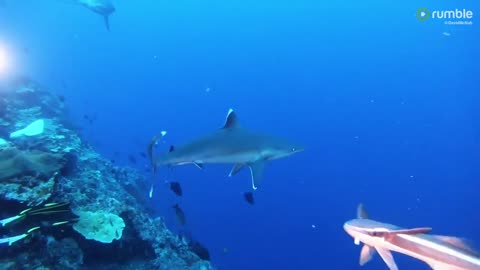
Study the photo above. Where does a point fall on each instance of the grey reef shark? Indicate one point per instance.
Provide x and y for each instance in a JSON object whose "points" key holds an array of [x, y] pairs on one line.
{"points": [[438, 251], [231, 144]]}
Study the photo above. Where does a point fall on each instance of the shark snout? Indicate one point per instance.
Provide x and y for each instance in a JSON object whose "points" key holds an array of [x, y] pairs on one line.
{"points": [[348, 228], [353, 231]]}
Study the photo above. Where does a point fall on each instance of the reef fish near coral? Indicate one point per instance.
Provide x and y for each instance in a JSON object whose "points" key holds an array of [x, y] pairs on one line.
{"points": [[59, 166], [248, 196], [36, 218], [176, 188], [132, 159], [180, 214]]}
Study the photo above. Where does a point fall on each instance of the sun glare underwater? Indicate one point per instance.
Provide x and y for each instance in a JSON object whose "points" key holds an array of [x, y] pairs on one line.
{"points": [[239, 135]]}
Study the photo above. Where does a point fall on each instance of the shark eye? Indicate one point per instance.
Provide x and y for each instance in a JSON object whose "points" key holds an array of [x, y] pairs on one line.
{"points": [[376, 234]]}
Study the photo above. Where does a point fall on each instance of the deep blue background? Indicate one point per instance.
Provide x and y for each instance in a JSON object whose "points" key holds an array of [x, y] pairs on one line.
{"points": [[386, 106]]}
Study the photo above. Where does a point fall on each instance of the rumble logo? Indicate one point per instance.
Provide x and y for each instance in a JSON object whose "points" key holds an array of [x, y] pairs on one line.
{"points": [[453, 17]]}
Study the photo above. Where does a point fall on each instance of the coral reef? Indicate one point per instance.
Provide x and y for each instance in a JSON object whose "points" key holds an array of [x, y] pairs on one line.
{"points": [[28, 176], [100, 226], [55, 165]]}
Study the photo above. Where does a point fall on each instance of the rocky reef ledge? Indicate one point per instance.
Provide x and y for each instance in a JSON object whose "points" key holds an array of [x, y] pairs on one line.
{"points": [[43, 160]]}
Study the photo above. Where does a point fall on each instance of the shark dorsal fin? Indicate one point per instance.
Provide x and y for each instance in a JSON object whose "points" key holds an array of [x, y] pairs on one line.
{"points": [[232, 120], [361, 212]]}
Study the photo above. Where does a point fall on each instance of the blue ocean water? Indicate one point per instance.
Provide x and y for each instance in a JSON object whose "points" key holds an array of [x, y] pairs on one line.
{"points": [[385, 105]]}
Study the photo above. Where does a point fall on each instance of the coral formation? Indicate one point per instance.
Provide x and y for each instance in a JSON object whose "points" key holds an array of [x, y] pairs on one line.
{"points": [[3, 142], [35, 128], [100, 226], [55, 165], [27, 176]]}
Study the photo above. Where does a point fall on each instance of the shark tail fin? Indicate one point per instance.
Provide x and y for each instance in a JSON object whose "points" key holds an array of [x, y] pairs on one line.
{"points": [[107, 22]]}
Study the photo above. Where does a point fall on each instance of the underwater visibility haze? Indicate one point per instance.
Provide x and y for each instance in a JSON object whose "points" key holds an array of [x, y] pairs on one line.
{"points": [[288, 118]]}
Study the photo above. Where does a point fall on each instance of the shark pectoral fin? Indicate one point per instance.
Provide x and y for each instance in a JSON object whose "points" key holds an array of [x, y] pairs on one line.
{"points": [[387, 258], [236, 168], [199, 165], [256, 170], [366, 254], [107, 22]]}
